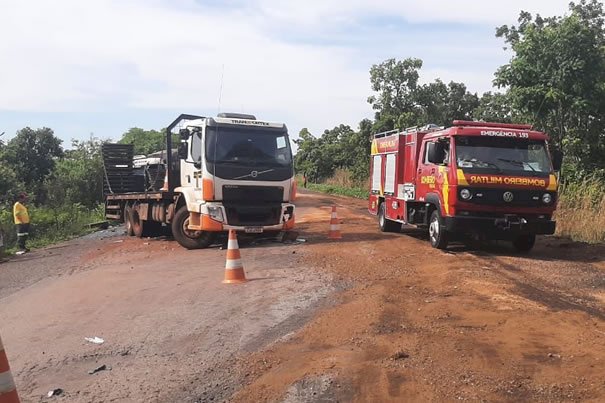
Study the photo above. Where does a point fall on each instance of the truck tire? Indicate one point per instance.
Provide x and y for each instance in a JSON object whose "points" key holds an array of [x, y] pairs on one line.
{"points": [[136, 223], [524, 243], [437, 234], [127, 221], [186, 238], [384, 223]]}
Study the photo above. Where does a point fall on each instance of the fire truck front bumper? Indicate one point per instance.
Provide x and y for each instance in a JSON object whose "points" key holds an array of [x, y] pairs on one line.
{"points": [[504, 227]]}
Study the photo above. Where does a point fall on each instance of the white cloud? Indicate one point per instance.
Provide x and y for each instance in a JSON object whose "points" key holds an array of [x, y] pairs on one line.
{"points": [[488, 12], [72, 55]]}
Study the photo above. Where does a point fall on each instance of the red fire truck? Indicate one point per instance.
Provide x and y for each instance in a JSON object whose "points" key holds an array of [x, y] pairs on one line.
{"points": [[486, 180]]}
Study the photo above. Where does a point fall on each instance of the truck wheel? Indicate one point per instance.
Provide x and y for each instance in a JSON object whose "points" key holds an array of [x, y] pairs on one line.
{"points": [[186, 238], [136, 223], [437, 235], [127, 221], [384, 223], [524, 243]]}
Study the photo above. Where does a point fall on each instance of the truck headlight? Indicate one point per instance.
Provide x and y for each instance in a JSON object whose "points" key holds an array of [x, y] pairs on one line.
{"points": [[547, 198], [215, 213], [466, 194]]}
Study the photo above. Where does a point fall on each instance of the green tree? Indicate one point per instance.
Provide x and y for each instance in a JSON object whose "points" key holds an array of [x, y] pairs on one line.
{"points": [[78, 177], [557, 79], [396, 82], [9, 185], [442, 103], [32, 154], [495, 107], [145, 141], [402, 102]]}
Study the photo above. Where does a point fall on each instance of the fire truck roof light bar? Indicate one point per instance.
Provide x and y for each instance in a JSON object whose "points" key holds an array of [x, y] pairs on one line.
{"points": [[492, 124], [384, 134]]}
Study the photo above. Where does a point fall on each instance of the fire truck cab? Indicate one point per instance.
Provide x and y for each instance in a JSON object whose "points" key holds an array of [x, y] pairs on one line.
{"points": [[487, 180]]}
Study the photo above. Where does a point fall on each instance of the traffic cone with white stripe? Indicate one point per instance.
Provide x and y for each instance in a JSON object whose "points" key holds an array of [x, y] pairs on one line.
{"points": [[165, 187], [234, 269], [8, 391], [334, 225]]}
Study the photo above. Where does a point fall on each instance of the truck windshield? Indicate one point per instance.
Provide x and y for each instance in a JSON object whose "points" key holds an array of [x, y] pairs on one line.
{"points": [[249, 146], [503, 155]]}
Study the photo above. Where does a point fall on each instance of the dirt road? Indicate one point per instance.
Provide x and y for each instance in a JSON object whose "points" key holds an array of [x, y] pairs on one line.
{"points": [[374, 317]]}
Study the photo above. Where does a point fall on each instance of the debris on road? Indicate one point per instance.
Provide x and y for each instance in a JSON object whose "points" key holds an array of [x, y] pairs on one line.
{"points": [[54, 392], [400, 355], [99, 369], [95, 340]]}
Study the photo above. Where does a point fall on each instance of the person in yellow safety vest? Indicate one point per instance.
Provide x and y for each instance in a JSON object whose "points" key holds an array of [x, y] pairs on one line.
{"points": [[22, 222]]}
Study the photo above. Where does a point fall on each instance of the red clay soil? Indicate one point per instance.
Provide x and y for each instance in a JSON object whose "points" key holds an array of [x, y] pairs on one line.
{"points": [[417, 324]]}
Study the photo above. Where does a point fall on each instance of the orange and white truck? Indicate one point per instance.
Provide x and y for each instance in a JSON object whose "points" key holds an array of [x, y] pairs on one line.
{"points": [[478, 179], [228, 172]]}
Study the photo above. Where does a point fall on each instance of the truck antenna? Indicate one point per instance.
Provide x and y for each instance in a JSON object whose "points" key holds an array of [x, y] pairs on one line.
{"points": [[220, 93]]}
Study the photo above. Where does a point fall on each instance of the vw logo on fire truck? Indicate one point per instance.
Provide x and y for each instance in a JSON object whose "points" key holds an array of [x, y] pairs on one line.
{"points": [[508, 197]]}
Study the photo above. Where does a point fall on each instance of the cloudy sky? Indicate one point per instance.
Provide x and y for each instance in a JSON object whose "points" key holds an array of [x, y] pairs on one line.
{"points": [[103, 66]]}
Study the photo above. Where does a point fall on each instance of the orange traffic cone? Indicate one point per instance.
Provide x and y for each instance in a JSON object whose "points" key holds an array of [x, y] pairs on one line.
{"points": [[165, 187], [334, 226], [234, 269], [8, 391]]}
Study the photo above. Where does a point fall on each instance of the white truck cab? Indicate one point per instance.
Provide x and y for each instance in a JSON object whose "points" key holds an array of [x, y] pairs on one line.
{"points": [[236, 172]]}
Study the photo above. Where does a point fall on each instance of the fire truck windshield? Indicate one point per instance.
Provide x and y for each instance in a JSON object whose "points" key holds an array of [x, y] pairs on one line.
{"points": [[248, 146], [502, 155]]}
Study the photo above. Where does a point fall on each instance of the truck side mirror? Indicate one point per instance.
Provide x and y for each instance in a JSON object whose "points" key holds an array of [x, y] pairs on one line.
{"points": [[436, 152], [557, 160], [184, 134], [183, 151]]}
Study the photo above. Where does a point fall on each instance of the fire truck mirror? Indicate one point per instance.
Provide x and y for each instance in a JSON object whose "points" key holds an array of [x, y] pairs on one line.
{"points": [[435, 152], [557, 160]]}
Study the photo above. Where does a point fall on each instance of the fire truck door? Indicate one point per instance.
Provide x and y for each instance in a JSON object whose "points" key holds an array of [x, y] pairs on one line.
{"points": [[426, 180]]}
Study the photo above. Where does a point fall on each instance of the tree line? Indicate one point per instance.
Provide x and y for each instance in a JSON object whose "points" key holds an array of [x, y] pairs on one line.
{"points": [[555, 80], [34, 161]]}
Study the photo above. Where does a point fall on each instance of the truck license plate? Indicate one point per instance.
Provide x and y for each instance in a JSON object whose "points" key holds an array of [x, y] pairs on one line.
{"points": [[253, 230]]}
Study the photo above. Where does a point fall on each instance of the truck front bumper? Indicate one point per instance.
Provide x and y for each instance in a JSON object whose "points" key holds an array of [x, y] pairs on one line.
{"points": [[214, 217], [505, 227]]}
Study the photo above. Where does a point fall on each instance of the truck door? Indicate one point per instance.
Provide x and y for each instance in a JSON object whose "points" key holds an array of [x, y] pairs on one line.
{"points": [[433, 181]]}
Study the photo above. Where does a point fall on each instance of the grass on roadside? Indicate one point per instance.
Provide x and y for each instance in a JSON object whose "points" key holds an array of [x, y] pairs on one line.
{"points": [[341, 184], [338, 190], [581, 211]]}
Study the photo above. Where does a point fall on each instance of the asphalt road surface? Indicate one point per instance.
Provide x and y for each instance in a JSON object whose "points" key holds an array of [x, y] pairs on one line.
{"points": [[373, 317]]}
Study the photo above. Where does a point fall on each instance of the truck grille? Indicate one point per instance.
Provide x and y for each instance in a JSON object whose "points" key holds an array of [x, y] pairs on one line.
{"points": [[252, 194], [253, 215], [253, 205], [521, 198]]}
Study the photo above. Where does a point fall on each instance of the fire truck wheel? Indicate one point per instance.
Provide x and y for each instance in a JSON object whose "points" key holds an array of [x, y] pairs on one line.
{"points": [[128, 222], [524, 243], [437, 234], [384, 223], [186, 238]]}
